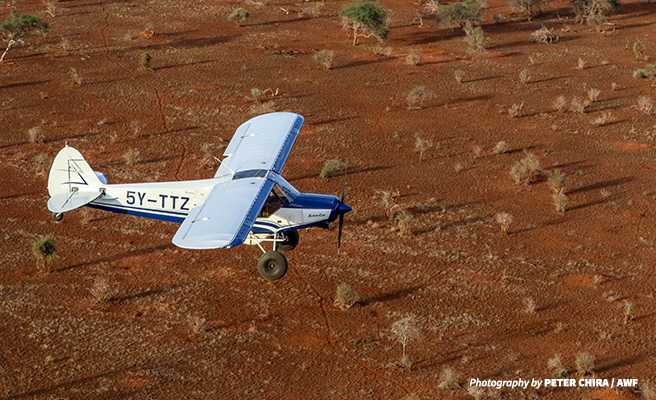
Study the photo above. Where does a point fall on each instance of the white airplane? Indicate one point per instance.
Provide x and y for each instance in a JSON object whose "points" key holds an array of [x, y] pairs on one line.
{"points": [[247, 201]]}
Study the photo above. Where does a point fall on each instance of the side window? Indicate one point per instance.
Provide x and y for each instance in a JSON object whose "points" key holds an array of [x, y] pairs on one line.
{"points": [[271, 205]]}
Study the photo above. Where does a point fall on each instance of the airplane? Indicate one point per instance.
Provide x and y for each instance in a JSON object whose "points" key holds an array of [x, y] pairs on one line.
{"points": [[247, 201]]}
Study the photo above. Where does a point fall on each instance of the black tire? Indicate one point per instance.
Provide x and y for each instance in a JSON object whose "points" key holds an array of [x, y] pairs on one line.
{"points": [[272, 265], [57, 216], [291, 241]]}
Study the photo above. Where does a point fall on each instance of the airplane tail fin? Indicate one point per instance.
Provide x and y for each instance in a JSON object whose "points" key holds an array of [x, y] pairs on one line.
{"points": [[72, 183]]}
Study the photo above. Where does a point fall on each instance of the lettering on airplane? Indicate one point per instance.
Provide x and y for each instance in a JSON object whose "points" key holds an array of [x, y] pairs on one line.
{"points": [[320, 215], [175, 202]]}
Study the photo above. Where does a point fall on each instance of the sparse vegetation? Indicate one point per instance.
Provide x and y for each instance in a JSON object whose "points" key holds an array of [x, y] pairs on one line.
{"points": [[449, 379], [639, 49], [100, 290], [645, 105], [417, 97], [239, 15], [515, 110], [330, 167], [530, 7], [144, 61], [45, 252], [627, 309], [526, 170], [560, 201], [593, 94], [475, 37], [35, 134], [648, 391], [414, 58], [579, 105], [75, 76], [459, 75], [404, 220], [555, 366], [365, 19], [196, 323], [324, 58], [345, 296], [462, 13], [529, 305], [504, 220], [557, 181], [544, 35], [501, 148], [404, 331], [421, 146], [18, 27], [580, 64], [388, 200], [131, 156], [44, 162], [524, 76], [584, 363], [560, 103]]}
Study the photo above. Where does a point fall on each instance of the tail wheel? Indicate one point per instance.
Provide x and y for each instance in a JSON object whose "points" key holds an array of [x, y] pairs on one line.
{"points": [[57, 216], [272, 265], [290, 240]]}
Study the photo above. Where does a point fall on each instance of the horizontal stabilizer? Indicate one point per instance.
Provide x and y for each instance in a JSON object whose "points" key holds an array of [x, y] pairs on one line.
{"points": [[65, 202]]}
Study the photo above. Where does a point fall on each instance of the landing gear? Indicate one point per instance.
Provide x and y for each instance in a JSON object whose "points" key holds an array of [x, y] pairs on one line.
{"points": [[272, 265], [290, 240], [57, 216]]}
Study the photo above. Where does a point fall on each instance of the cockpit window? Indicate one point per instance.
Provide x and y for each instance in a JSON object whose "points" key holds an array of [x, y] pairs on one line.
{"points": [[274, 202]]}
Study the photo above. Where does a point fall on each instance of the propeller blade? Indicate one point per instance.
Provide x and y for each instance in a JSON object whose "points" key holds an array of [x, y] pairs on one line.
{"points": [[341, 219]]}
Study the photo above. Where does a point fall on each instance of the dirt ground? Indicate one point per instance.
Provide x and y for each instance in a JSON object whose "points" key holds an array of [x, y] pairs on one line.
{"points": [[124, 314]]}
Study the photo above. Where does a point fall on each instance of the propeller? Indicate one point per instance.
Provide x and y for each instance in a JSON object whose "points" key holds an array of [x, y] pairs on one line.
{"points": [[341, 218]]}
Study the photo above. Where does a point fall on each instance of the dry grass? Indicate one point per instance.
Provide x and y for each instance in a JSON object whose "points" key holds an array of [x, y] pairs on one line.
{"points": [[560, 103], [345, 296], [131, 156], [529, 305], [501, 148], [504, 220], [584, 363], [449, 379], [35, 134]]}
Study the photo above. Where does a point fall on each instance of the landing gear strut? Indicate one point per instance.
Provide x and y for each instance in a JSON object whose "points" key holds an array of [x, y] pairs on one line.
{"points": [[272, 265]]}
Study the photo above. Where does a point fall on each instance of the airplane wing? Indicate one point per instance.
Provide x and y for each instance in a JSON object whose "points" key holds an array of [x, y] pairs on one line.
{"points": [[227, 216], [261, 143]]}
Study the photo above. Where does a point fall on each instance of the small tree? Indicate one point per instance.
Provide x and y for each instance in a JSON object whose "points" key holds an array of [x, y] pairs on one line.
{"points": [[365, 19], [530, 7], [462, 13], [18, 27], [45, 252], [239, 16], [404, 331]]}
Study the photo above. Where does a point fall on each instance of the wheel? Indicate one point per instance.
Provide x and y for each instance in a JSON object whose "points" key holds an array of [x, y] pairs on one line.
{"points": [[57, 216], [291, 240], [272, 265]]}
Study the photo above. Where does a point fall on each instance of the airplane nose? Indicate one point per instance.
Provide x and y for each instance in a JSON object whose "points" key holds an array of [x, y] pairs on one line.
{"points": [[343, 208]]}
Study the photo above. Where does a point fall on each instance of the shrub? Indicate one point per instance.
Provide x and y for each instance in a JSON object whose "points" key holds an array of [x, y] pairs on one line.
{"points": [[560, 201], [525, 76], [144, 61], [345, 296], [35, 134], [414, 58], [365, 19], [45, 252], [501, 147], [44, 162], [330, 167], [459, 75], [404, 219], [504, 220], [404, 331], [627, 309], [461, 13], [475, 37], [100, 290], [559, 103], [529, 305], [196, 323], [587, 9], [530, 7], [579, 105], [75, 76], [421, 146], [388, 200], [639, 49], [417, 97], [131, 156], [515, 110], [593, 94], [324, 58], [449, 379], [544, 35], [645, 104], [526, 170], [581, 64], [18, 27], [557, 181], [556, 367], [584, 363], [648, 391], [239, 16]]}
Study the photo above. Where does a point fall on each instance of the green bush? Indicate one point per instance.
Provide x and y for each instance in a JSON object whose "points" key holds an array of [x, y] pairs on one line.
{"points": [[330, 167], [45, 252], [365, 18], [462, 13]]}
